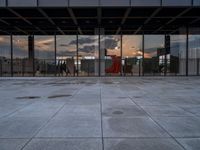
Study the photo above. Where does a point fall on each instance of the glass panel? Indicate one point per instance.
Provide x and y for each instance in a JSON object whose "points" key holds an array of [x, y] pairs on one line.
{"points": [[176, 2], [196, 2], [115, 2], [84, 3], [132, 54], [22, 3], [2, 3], [44, 55], [194, 53], [5, 56], [53, 3], [154, 54], [66, 60], [110, 55], [22, 63], [177, 55], [145, 2], [88, 55]]}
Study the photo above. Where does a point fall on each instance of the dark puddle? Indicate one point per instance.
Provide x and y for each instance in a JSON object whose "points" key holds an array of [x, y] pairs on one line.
{"points": [[28, 97], [137, 97], [117, 112], [58, 96]]}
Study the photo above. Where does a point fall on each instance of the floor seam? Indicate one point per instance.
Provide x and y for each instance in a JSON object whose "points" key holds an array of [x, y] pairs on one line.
{"points": [[101, 109], [159, 125], [48, 121]]}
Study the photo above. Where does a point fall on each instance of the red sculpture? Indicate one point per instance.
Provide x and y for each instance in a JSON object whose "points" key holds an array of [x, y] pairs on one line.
{"points": [[116, 65]]}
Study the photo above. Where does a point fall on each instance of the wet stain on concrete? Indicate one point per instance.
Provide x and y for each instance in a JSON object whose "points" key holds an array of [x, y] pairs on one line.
{"points": [[58, 96], [28, 97], [117, 112]]}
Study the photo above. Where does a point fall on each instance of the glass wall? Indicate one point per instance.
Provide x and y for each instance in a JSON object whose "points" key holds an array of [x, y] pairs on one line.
{"points": [[154, 55], [66, 51], [44, 56], [132, 53], [111, 55], [5, 56], [88, 55], [22, 63], [177, 64], [194, 52], [117, 55]]}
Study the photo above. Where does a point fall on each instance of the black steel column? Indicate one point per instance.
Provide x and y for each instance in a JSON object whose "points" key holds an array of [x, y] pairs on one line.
{"points": [[197, 66], [77, 54], [121, 40], [31, 51], [143, 54], [99, 40], [187, 49], [11, 48], [55, 42], [167, 51]]}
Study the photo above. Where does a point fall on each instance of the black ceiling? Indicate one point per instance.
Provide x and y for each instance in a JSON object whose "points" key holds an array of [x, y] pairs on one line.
{"points": [[148, 20]]}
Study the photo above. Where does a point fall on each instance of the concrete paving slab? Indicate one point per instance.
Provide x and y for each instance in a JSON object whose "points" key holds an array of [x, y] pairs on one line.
{"points": [[12, 144], [80, 110], [141, 144], [72, 126], [181, 126], [123, 111], [131, 127], [190, 143], [194, 109], [165, 110], [20, 127], [64, 144]]}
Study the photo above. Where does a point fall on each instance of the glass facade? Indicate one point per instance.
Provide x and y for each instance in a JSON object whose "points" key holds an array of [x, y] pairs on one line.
{"points": [[101, 55]]}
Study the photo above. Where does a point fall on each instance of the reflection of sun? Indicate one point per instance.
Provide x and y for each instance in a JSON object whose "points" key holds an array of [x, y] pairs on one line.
{"points": [[132, 46]]}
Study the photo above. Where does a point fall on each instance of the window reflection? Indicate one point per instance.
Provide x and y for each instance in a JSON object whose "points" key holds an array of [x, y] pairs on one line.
{"points": [[44, 55], [177, 55], [66, 60], [154, 54], [5, 56], [22, 63], [194, 54], [110, 55], [132, 54], [88, 55]]}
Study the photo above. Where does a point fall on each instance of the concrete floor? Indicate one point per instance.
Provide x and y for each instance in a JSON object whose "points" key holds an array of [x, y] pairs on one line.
{"points": [[100, 113]]}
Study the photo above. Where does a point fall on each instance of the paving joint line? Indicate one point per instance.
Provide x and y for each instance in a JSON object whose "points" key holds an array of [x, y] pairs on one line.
{"points": [[48, 121], [101, 109], [158, 124]]}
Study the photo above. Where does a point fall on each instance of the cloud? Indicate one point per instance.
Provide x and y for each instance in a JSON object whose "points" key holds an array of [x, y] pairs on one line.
{"points": [[85, 40], [110, 43], [87, 49]]}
